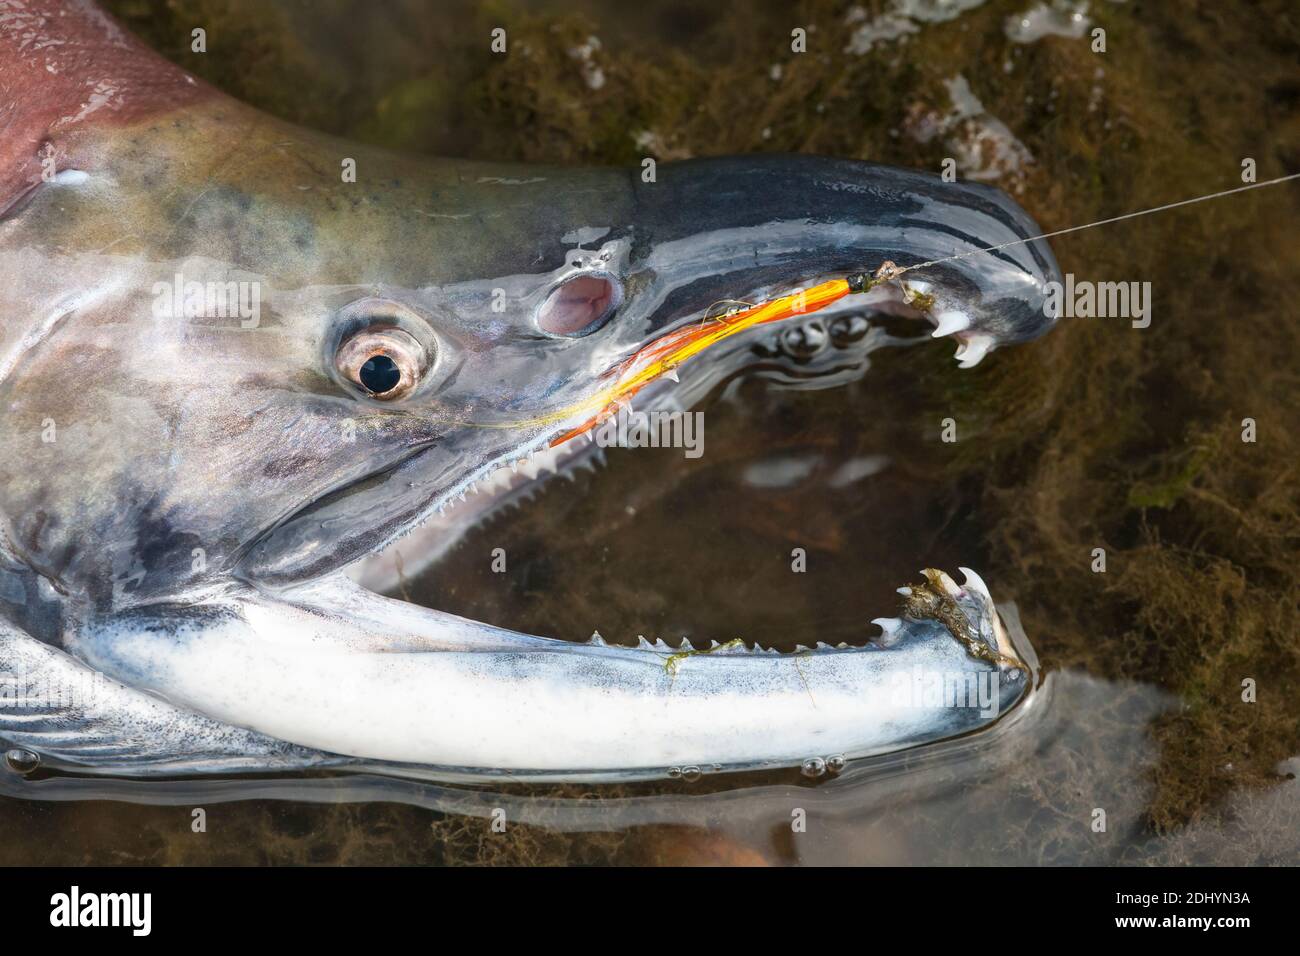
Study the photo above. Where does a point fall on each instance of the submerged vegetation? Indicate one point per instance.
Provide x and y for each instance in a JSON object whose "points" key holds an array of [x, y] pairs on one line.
{"points": [[1098, 436]]}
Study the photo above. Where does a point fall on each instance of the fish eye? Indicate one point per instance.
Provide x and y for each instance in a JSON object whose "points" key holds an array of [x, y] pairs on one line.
{"points": [[580, 305], [382, 361]]}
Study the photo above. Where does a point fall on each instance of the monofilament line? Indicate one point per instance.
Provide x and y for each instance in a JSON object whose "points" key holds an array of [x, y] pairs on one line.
{"points": [[1100, 222]]}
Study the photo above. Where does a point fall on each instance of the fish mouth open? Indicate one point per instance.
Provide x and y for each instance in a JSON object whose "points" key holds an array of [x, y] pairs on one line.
{"points": [[803, 344], [818, 291], [819, 348]]}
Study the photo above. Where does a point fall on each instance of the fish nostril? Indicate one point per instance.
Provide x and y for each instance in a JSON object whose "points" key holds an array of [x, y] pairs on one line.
{"points": [[846, 329], [804, 341], [579, 305]]}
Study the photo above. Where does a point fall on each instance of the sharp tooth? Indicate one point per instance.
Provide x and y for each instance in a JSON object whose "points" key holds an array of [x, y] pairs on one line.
{"points": [[596, 640], [672, 374], [950, 322], [891, 629], [548, 459], [978, 346], [906, 592], [974, 581], [514, 467], [949, 585]]}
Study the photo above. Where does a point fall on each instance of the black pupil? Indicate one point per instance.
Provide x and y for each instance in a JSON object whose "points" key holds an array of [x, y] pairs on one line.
{"points": [[380, 374]]}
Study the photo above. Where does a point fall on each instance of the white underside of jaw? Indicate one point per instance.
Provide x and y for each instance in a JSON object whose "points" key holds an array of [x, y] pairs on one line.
{"points": [[341, 670]]}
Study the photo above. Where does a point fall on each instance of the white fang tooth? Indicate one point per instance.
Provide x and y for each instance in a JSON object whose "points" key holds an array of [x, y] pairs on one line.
{"points": [[596, 640], [950, 322], [891, 629], [906, 592], [672, 374], [949, 585], [974, 350], [974, 581]]}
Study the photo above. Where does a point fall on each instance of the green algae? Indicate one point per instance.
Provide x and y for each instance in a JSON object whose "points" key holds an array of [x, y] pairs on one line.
{"points": [[673, 662]]}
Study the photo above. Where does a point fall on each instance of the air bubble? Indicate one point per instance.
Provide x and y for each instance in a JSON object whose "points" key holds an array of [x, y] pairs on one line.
{"points": [[813, 767], [21, 761], [691, 774], [836, 763]]}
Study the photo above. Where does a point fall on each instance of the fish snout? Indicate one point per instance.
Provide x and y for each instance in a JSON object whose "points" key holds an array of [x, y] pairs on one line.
{"points": [[719, 235]]}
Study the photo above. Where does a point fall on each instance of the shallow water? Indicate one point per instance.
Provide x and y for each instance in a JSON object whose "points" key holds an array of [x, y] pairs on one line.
{"points": [[657, 544]]}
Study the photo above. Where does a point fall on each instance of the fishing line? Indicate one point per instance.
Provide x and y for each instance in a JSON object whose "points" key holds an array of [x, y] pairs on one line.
{"points": [[1099, 222]]}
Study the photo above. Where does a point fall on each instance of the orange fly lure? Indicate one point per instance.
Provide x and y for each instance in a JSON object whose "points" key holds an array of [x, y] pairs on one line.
{"points": [[666, 353]]}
